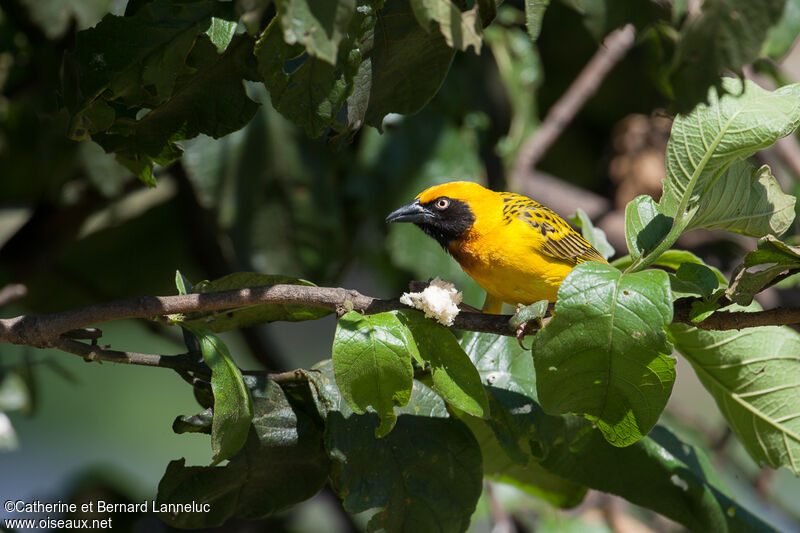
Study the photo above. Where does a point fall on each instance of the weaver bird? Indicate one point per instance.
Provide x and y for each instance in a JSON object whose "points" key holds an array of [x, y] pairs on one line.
{"points": [[518, 250]]}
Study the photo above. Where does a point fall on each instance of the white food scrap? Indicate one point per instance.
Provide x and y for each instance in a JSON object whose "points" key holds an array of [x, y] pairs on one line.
{"points": [[439, 300]]}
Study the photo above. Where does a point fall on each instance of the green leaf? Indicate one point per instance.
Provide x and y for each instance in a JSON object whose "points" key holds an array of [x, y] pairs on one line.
{"points": [[661, 473], [14, 392], [782, 36], [746, 200], [309, 90], [372, 361], [696, 279], [604, 353], [534, 13], [402, 69], [221, 32], [727, 35], [460, 29], [199, 423], [772, 259], [701, 310], [454, 376], [319, 26], [183, 285], [233, 406], [753, 375], [708, 184], [226, 320], [426, 473], [644, 226], [528, 476], [501, 362], [282, 463], [594, 235]]}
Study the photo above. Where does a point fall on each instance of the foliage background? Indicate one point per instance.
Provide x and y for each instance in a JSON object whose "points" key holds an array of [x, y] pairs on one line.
{"points": [[76, 227]]}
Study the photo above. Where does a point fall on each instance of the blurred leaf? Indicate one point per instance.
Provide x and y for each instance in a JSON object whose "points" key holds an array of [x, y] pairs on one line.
{"points": [[454, 376], [604, 352], [14, 394], [8, 437], [460, 29], [226, 320], [233, 406], [319, 26], [595, 236], [773, 258], [644, 226], [534, 13], [782, 36], [313, 90], [603, 16], [372, 359], [426, 473], [282, 463], [520, 72], [727, 35], [53, 17], [753, 376]]}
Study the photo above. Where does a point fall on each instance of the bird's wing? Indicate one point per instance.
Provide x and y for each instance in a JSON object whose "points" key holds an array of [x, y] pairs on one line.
{"points": [[560, 240]]}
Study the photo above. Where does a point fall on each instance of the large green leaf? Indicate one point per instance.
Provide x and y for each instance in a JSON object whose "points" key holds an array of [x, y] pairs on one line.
{"points": [[282, 463], [708, 182], [509, 440], [372, 359], [233, 406], [426, 474], [746, 200], [226, 320], [660, 472], [727, 35], [604, 353], [705, 143], [754, 376], [319, 26], [453, 375]]}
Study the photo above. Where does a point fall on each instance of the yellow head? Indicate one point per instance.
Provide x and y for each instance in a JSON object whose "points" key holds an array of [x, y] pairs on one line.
{"points": [[447, 211]]}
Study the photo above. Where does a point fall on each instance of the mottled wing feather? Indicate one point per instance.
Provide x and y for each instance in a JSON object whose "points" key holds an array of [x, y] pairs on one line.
{"points": [[561, 241]]}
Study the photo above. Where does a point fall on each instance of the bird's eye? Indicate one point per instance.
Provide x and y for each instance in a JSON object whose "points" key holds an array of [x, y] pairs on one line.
{"points": [[442, 204]]}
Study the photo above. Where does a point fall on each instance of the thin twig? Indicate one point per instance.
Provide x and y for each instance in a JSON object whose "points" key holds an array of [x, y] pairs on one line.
{"points": [[613, 48]]}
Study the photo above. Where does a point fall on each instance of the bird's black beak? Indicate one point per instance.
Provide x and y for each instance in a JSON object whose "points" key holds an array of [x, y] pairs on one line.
{"points": [[413, 212]]}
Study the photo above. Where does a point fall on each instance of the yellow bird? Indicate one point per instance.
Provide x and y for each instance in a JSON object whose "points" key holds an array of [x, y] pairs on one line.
{"points": [[518, 250]]}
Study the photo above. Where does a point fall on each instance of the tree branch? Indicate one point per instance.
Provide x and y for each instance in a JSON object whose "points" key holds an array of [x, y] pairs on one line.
{"points": [[60, 330], [614, 48]]}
